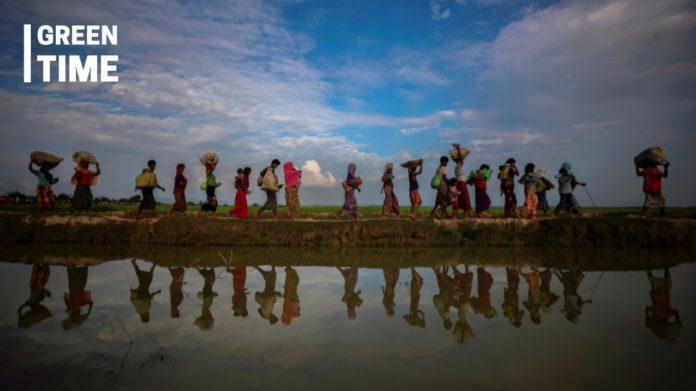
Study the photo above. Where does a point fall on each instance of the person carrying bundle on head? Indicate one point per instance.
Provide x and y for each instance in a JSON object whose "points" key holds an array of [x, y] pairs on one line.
{"points": [[45, 199], [647, 164]]}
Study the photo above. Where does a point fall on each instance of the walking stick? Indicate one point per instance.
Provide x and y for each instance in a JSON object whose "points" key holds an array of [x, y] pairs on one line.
{"points": [[588, 194], [595, 287]]}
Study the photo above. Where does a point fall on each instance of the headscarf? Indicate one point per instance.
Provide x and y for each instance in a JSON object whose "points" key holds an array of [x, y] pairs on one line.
{"points": [[292, 175], [388, 175], [567, 167], [351, 172]]}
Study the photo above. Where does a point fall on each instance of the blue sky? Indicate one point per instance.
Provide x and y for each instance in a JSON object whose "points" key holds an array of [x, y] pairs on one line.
{"points": [[325, 83]]}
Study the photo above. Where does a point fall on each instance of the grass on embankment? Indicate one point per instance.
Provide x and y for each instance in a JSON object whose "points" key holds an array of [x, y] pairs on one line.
{"points": [[325, 211]]}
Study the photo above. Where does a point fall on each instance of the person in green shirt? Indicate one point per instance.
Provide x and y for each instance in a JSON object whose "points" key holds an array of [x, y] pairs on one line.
{"points": [[210, 185]]}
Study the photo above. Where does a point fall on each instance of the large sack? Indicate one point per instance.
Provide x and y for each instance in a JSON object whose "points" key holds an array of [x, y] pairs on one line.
{"points": [[269, 181], [146, 179], [412, 163], [654, 155], [209, 158], [456, 155], [41, 157], [83, 156]]}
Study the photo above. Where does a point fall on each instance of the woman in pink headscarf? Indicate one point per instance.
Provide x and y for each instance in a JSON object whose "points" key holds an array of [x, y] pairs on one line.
{"points": [[180, 182], [293, 177]]}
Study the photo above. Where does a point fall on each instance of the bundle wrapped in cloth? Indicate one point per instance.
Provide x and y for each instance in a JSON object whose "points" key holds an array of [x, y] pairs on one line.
{"points": [[41, 158], [269, 182], [457, 155], [649, 157], [355, 183], [80, 157], [412, 163], [146, 179], [209, 158]]}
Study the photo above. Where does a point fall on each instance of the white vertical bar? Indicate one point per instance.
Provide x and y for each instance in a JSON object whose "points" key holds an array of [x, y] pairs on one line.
{"points": [[27, 53]]}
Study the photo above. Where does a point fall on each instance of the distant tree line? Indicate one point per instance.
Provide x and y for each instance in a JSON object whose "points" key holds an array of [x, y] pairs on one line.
{"points": [[18, 198]]}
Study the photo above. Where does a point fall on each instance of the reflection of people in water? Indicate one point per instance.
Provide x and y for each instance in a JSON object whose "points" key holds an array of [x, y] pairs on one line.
{"points": [[176, 294], [442, 300], [239, 295], [461, 299], [461, 287], [267, 299], [533, 303], [291, 299], [77, 297], [206, 320], [482, 303], [391, 278], [350, 297], [141, 298], [546, 297], [415, 316], [37, 312], [511, 300], [572, 302], [658, 315]]}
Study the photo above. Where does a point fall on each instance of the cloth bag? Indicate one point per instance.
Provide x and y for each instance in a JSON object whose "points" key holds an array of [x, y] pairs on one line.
{"points": [[146, 179], [456, 155], [269, 182], [209, 158], [83, 156]]}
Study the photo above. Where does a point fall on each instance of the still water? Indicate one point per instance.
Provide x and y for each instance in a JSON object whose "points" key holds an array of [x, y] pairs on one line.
{"points": [[407, 322]]}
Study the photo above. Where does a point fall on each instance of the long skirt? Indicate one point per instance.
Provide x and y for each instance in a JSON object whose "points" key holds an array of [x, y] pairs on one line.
{"points": [[271, 201], [82, 198], [179, 201], [241, 209], [292, 199], [510, 200], [542, 202], [350, 204], [464, 202], [148, 201], [44, 198], [211, 202], [391, 203], [566, 204], [530, 203], [415, 197], [483, 201]]}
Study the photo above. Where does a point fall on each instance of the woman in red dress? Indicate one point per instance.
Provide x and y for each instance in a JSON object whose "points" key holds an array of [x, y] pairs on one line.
{"points": [[180, 182], [241, 209]]}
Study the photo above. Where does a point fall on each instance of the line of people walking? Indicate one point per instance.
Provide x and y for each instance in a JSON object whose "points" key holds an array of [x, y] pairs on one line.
{"points": [[452, 197]]}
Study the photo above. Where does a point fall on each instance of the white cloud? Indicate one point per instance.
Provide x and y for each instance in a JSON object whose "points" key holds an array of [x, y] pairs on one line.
{"points": [[597, 82], [313, 177], [439, 10]]}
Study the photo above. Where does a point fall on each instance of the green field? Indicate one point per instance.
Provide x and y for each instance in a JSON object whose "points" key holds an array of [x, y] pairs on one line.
{"points": [[323, 211]]}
